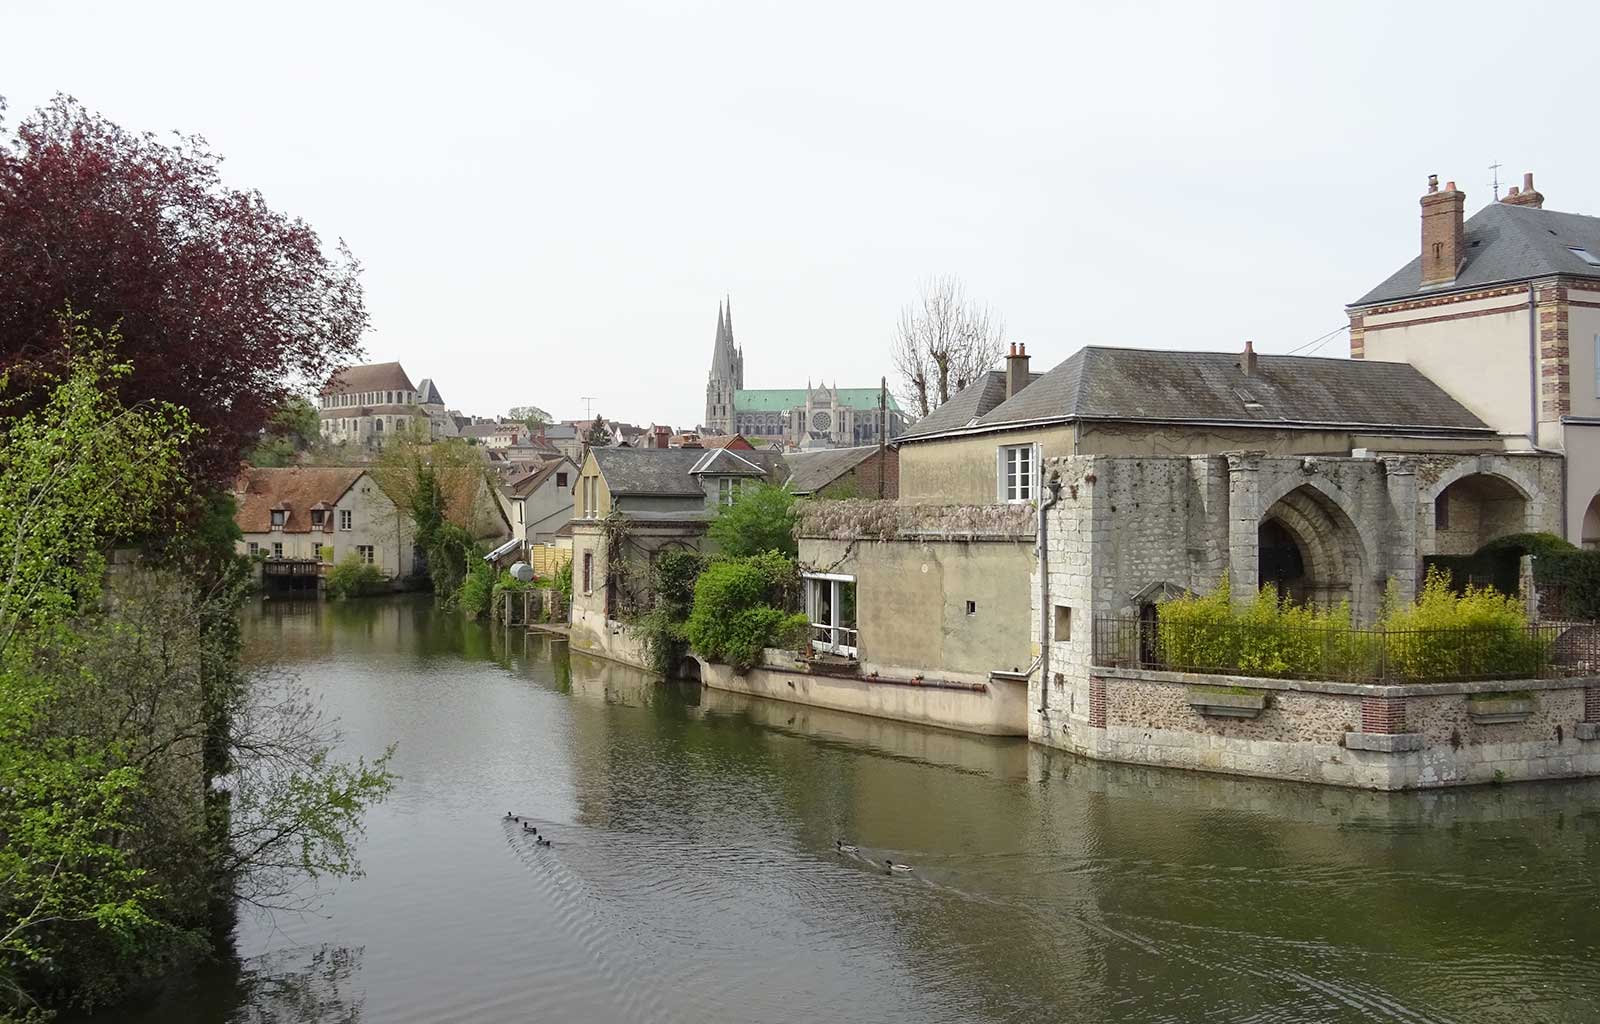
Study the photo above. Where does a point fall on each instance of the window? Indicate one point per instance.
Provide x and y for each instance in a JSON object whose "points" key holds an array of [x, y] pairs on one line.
{"points": [[1063, 630], [972, 607], [725, 490], [365, 553], [1585, 255], [519, 510], [279, 515], [588, 572], [1015, 472], [254, 547], [277, 549], [831, 606], [317, 515], [561, 479], [346, 519]]}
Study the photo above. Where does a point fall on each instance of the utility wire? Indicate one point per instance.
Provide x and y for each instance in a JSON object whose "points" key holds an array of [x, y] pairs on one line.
{"points": [[1318, 341]]}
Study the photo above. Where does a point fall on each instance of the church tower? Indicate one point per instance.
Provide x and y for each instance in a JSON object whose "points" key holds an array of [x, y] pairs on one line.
{"points": [[726, 376]]}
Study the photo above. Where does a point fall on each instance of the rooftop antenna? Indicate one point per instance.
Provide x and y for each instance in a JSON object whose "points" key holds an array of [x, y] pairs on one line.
{"points": [[1495, 168], [588, 406]]}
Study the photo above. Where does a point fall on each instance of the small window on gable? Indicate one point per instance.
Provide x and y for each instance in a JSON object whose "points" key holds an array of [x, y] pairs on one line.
{"points": [[316, 517], [561, 479], [346, 518], [1585, 255]]}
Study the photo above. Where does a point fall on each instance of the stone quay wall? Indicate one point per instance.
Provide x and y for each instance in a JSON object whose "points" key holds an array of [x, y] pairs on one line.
{"points": [[1342, 734]]}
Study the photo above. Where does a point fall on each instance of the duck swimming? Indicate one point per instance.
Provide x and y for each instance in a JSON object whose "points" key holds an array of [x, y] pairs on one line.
{"points": [[843, 847], [526, 827], [539, 840], [892, 868]]}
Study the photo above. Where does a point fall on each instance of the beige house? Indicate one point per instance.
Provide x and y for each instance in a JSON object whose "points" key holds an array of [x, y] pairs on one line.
{"points": [[364, 405], [298, 519], [1502, 310]]}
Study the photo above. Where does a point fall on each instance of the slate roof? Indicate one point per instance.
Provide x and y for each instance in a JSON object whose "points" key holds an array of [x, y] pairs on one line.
{"points": [[966, 405], [731, 462], [651, 471], [1164, 386], [428, 392], [296, 488], [784, 399], [530, 482], [370, 377], [811, 471], [1505, 243]]}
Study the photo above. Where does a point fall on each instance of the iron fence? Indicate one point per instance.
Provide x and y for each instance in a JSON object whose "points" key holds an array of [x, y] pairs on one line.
{"points": [[1547, 650]]}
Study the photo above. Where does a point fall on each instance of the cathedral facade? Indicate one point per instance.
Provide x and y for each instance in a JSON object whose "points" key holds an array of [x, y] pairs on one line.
{"points": [[816, 416]]}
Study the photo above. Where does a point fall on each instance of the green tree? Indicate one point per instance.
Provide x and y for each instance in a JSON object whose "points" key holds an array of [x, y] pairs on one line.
{"points": [[293, 429], [742, 605], [598, 434], [761, 518], [530, 415]]}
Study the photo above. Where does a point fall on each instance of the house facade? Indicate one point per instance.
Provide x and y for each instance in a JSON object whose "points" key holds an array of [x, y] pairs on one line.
{"points": [[1502, 309], [631, 504], [310, 516], [364, 405]]}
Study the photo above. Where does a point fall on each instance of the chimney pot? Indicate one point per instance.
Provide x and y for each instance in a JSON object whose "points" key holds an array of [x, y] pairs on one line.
{"points": [[1433, 183], [1527, 181], [1449, 186], [1248, 364], [1513, 192], [1526, 195], [1443, 215]]}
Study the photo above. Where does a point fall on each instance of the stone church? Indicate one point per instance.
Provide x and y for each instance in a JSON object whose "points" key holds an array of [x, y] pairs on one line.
{"points": [[816, 416]]}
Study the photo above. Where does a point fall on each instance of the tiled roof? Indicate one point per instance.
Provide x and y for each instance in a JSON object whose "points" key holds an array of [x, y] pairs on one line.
{"points": [[811, 471], [669, 471], [258, 491], [530, 482], [1503, 244], [1165, 386], [966, 405], [370, 377]]}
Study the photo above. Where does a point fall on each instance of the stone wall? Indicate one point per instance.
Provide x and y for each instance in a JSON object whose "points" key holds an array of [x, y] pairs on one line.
{"points": [[1315, 732]]}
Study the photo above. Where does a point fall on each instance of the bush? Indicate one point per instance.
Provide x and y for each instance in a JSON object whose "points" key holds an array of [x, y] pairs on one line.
{"points": [[1442, 635], [741, 605], [563, 581], [477, 589], [664, 628], [353, 577], [761, 519]]}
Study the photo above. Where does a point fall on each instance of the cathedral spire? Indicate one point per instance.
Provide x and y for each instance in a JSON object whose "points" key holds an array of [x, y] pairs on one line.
{"points": [[729, 319]]}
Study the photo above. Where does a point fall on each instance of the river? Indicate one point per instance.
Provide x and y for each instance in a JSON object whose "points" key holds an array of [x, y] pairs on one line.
{"points": [[694, 874]]}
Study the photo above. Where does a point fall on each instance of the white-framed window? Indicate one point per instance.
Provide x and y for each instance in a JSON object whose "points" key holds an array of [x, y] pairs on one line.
{"points": [[1017, 472], [346, 519], [727, 490], [254, 547], [831, 606], [365, 553], [519, 510], [279, 516], [277, 549]]}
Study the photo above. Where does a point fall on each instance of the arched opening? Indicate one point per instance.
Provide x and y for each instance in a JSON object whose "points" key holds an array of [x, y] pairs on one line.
{"points": [[1310, 550], [1474, 510], [1590, 536]]}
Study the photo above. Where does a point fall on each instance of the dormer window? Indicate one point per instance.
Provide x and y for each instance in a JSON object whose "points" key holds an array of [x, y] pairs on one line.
{"points": [[279, 516], [317, 515], [1585, 255]]}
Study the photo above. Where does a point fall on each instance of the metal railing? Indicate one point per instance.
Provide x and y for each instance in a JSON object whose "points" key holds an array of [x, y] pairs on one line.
{"points": [[1543, 651], [833, 639]]}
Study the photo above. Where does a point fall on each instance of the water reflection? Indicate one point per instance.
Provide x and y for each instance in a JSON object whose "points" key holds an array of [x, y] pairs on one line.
{"points": [[694, 873]]}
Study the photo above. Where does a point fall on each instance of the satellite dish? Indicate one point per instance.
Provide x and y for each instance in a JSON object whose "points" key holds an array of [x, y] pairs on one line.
{"points": [[522, 571]]}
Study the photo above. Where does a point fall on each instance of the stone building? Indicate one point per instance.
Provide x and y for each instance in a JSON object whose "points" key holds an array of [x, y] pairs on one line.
{"points": [[362, 405], [298, 520], [1502, 310], [817, 416]]}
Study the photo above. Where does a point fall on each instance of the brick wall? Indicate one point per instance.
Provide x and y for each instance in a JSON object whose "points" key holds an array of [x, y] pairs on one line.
{"points": [[1383, 714], [1097, 702], [1591, 704]]}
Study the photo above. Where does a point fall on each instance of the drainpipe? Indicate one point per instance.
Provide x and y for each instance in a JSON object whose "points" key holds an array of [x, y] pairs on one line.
{"points": [[1533, 368], [1044, 592]]}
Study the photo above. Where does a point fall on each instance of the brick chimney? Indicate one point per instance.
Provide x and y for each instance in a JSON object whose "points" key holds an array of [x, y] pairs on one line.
{"points": [[1016, 369], [1525, 196], [1441, 232], [663, 437], [1247, 363]]}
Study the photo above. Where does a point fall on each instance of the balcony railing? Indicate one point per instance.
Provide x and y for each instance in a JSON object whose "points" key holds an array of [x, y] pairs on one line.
{"points": [[1543, 651], [833, 639]]}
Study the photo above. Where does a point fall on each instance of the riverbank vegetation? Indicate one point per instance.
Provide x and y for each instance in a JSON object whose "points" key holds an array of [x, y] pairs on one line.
{"points": [[156, 321]]}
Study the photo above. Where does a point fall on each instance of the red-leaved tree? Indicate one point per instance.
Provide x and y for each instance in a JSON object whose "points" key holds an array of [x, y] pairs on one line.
{"points": [[225, 306]]}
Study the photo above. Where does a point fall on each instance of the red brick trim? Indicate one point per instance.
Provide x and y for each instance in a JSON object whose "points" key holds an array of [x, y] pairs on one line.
{"points": [[1446, 300], [1591, 703], [1583, 305], [1450, 316], [1383, 714], [1097, 702]]}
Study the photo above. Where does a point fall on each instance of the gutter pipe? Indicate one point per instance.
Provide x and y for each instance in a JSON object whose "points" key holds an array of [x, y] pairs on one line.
{"points": [[1044, 592]]}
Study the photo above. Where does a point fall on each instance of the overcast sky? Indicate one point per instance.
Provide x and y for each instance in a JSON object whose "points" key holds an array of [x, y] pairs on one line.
{"points": [[551, 199]]}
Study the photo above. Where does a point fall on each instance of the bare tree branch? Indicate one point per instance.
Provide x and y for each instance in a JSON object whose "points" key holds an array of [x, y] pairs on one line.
{"points": [[943, 343]]}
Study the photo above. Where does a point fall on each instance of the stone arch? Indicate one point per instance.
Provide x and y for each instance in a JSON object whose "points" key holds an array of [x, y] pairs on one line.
{"points": [[1314, 550], [1589, 529], [1473, 508]]}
